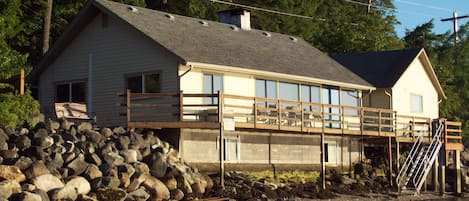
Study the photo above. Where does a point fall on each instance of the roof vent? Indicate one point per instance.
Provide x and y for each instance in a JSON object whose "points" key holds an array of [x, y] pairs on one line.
{"points": [[293, 39], [203, 23], [234, 28], [267, 34], [171, 17], [133, 9]]}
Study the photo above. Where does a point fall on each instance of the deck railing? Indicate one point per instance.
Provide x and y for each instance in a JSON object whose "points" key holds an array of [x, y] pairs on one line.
{"points": [[265, 113]]}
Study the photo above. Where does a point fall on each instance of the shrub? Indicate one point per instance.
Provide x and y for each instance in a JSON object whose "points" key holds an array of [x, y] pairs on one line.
{"points": [[15, 110]]}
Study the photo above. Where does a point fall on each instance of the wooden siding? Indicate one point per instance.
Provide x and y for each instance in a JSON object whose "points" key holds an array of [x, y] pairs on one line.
{"points": [[117, 51]]}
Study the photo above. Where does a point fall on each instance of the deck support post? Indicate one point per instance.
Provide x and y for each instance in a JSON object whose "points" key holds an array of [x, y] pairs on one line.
{"points": [[398, 155], [457, 162], [390, 160], [435, 175], [442, 170], [323, 163], [221, 140]]}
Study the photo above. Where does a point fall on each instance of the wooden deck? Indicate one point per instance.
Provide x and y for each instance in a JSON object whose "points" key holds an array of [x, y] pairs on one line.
{"points": [[210, 110]]}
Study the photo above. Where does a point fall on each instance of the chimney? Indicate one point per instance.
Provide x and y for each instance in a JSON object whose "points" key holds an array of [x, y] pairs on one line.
{"points": [[237, 16]]}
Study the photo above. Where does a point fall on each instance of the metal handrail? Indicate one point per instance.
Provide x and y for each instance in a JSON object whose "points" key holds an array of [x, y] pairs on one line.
{"points": [[409, 160]]}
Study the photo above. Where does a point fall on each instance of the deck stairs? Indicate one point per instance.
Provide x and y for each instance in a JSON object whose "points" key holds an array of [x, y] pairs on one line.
{"points": [[418, 163]]}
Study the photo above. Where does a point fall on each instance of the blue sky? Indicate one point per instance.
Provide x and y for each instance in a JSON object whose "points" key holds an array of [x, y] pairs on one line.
{"points": [[412, 13]]}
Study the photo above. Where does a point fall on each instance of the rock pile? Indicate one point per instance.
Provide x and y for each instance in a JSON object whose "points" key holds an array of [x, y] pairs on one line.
{"points": [[57, 161]]}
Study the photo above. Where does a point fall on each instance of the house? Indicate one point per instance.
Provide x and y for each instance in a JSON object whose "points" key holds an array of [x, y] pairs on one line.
{"points": [[276, 99]]}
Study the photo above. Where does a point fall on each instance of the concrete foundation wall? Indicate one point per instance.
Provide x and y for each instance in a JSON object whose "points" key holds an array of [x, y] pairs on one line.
{"points": [[242, 147]]}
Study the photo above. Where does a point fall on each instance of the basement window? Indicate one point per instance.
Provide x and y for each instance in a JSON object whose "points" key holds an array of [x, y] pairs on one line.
{"points": [[232, 148], [330, 152], [144, 83], [71, 92]]}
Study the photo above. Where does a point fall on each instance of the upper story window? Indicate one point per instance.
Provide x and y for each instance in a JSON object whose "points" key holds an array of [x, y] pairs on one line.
{"points": [[71, 92], [144, 83], [416, 103], [289, 91], [212, 84], [266, 88]]}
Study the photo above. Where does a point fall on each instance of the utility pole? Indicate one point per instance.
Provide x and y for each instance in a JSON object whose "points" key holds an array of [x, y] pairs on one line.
{"points": [[455, 24], [46, 33]]}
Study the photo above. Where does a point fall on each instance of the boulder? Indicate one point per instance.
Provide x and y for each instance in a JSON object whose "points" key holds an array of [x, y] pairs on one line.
{"points": [[94, 136], [93, 175], [52, 125], [158, 165], [28, 196], [130, 155], [22, 142], [38, 168], [106, 132], [76, 186], [157, 189], [138, 195], [48, 182], [44, 141], [119, 130], [84, 126], [124, 142], [113, 159], [64, 124], [177, 194], [7, 188], [78, 165], [136, 181], [171, 183], [93, 159], [3, 144], [111, 182], [110, 194], [11, 173]]}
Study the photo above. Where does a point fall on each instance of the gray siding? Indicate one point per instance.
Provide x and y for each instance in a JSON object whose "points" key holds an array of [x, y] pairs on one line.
{"points": [[117, 51]]}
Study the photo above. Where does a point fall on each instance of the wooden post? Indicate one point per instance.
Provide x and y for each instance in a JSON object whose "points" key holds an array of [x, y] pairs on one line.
{"points": [[128, 105], [457, 162], [22, 81], [255, 112], [442, 169], [323, 163], [221, 140], [435, 175], [181, 106], [390, 160], [398, 156]]}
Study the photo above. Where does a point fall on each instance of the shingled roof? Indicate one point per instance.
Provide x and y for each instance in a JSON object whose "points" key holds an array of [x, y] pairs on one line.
{"points": [[381, 69], [209, 42]]}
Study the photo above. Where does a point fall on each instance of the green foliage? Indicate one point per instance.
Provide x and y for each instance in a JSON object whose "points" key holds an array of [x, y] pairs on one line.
{"points": [[285, 176], [15, 109]]}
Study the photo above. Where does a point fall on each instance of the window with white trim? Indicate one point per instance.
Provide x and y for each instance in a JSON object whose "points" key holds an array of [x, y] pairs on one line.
{"points": [[416, 103]]}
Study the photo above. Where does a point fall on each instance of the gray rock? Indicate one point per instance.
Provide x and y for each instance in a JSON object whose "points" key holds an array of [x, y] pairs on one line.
{"points": [[44, 141], [177, 194], [94, 136], [124, 142], [69, 157], [52, 125], [34, 119], [36, 169], [110, 194], [130, 155], [74, 187], [23, 131], [48, 182], [141, 168], [158, 165], [3, 135], [113, 159], [69, 146], [64, 124], [28, 187], [93, 175], [136, 181], [22, 142], [126, 168], [11, 173], [42, 132], [43, 194], [56, 161], [157, 189], [106, 132], [119, 130], [7, 188], [94, 159], [78, 165], [1, 160], [58, 139], [3, 144], [111, 182], [9, 154], [171, 183], [138, 195], [84, 126], [27, 196]]}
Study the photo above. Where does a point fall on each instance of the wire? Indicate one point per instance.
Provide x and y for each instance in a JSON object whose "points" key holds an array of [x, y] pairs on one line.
{"points": [[423, 5], [275, 11], [388, 8]]}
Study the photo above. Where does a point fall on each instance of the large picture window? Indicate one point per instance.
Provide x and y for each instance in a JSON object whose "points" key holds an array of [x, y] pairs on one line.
{"points": [[266, 88], [71, 92], [212, 84], [144, 83]]}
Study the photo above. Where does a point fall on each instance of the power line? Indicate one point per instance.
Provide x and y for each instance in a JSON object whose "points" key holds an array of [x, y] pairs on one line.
{"points": [[388, 8], [275, 11], [423, 5]]}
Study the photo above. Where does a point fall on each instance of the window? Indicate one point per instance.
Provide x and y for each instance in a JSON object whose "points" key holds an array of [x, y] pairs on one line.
{"points": [[311, 94], [71, 92], [289, 91], [416, 103], [350, 98], [266, 88], [212, 84], [144, 83], [330, 152], [232, 148]]}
